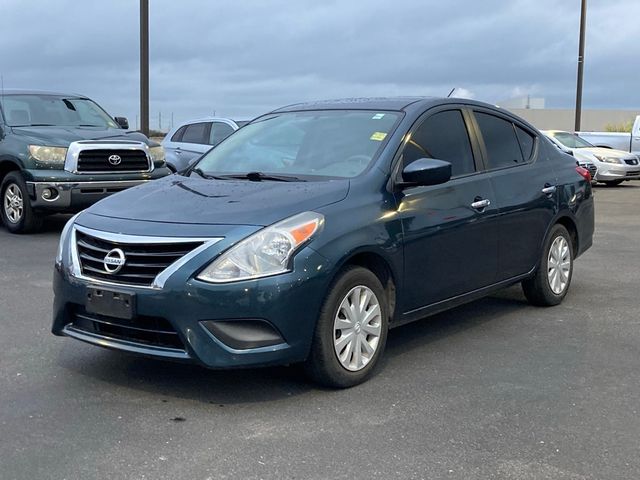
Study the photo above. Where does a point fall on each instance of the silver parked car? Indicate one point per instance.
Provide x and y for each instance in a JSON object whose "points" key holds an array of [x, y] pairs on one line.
{"points": [[189, 140], [613, 166]]}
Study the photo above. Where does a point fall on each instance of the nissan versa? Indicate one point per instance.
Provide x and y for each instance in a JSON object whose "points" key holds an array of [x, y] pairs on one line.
{"points": [[308, 233]]}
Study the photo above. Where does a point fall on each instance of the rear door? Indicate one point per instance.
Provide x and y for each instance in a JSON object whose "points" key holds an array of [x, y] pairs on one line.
{"points": [[450, 231], [524, 184]]}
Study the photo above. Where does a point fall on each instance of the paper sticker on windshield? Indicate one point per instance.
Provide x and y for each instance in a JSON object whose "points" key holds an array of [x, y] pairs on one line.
{"points": [[377, 116], [378, 136]]}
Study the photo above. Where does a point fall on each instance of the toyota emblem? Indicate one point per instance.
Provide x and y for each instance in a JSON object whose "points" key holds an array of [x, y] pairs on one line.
{"points": [[115, 160], [114, 261]]}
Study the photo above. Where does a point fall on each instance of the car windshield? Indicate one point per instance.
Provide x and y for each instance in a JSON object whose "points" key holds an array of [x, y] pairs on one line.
{"points": [[53, 110], [303, 144], [571, 140]]}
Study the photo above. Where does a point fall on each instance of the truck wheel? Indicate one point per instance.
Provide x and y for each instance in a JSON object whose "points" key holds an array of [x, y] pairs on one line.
{"points": [[16, 211], [351, 331], [613, 183], [550, 283]]}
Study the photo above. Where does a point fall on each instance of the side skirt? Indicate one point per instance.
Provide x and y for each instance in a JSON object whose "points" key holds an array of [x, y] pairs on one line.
{"points": [[434, 308]]}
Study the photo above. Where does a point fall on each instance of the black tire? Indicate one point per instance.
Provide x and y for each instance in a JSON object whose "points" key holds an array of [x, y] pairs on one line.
{"points": [[29, 221], [537, 289], [612, 183], [323, 365]]}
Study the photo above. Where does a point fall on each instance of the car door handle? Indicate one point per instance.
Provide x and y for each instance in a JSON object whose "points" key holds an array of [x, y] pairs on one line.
{"points": [[177, 150], [549, 189], [480, 203]]}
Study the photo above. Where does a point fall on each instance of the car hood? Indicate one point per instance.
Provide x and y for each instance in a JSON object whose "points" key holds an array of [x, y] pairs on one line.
{"points": [[589, 152], [182, 200], [63, 136]]}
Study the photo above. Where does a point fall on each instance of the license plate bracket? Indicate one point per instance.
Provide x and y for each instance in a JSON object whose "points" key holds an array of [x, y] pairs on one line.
{"points": [[110, 303]]}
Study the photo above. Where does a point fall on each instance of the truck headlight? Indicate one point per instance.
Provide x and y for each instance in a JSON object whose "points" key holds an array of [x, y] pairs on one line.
{"points": [[265, 253], [157, 154], [64, 238], [606, 159], [49, 156]]}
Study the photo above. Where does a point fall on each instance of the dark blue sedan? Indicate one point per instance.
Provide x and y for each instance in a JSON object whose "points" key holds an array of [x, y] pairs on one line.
{"points": [[307, 234]]}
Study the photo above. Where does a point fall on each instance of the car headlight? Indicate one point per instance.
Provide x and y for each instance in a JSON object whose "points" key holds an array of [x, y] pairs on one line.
{"points": [[64, 236], [157, 154], [265, 253], [49, 156], [606, 159]]}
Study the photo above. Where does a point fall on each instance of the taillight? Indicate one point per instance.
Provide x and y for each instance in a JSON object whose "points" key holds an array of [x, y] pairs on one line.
{"points": [[583, 172]]}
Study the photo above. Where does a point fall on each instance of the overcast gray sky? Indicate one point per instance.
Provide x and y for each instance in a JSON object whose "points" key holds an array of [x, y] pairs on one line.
{"points": [[244, 57]]}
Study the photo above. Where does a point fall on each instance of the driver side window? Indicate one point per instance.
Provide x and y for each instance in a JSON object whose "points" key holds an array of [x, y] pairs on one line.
{"points": [[442, 136]]}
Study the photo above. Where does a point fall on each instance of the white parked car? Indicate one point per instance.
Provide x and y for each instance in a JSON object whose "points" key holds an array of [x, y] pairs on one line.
{"points": [[613, 166], [189, 140]]}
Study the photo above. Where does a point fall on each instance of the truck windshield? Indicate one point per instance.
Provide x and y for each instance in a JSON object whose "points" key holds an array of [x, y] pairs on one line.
{"points": [[311, 144], [571, 140], [52, 110]]}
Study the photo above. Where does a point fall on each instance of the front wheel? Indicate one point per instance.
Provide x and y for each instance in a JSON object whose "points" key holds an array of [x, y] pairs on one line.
{"points": [[16, 212], [612, 183], [550, 283], [351, 331]]}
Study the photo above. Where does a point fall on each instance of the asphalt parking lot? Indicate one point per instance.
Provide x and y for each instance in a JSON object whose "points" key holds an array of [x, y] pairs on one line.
{"points": [[494, 389]]}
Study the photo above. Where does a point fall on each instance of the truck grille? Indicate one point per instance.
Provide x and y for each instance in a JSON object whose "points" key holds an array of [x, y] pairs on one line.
{"points": [[142, 262], [144, 330], [97, 160], [591, 167]]}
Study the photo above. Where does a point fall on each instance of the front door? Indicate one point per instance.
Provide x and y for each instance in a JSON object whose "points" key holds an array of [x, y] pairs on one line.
{"points": [[450, 234]]}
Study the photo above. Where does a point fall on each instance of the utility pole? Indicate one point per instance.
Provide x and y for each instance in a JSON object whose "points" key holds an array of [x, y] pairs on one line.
{"points": [[144, 66], [583, 25]]}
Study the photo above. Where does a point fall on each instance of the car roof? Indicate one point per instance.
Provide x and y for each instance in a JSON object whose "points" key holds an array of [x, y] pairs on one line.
{"points": [[386, 103], [20, 91]]}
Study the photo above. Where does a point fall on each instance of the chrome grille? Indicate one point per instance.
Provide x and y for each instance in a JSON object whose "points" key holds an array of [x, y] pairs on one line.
{"points": [[142, 262], [591, 167], [97, 160]]}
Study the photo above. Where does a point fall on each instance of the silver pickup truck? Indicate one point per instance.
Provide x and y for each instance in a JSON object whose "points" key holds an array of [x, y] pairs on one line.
{"points": [[628, 142]]}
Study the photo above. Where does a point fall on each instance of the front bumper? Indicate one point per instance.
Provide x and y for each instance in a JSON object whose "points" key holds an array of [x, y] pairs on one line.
{"points": [[72, 196], [287, 303], [611, 171]]}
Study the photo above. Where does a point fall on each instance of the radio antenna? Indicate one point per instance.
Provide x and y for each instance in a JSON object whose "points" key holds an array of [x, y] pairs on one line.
{"points": [[451, 92]]}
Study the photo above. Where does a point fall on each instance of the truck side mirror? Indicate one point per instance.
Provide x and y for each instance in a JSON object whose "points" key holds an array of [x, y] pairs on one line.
{"points": [[122, 122]]}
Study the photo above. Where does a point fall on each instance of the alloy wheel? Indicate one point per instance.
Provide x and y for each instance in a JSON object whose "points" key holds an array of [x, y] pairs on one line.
{"points": [[13, 203], [357, 327], [559, 265]]}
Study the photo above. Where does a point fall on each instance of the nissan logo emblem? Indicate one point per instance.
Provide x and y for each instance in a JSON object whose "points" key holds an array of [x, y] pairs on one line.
{"points": [[115, 160], [114, 261]]}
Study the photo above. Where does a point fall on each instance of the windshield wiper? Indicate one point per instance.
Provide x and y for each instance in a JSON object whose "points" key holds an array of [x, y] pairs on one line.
{"points": [[205, 175], [259, 176], [36, 125]]}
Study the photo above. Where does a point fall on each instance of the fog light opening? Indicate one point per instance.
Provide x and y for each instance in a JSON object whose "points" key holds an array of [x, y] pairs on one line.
{"points": [[49, 194]]}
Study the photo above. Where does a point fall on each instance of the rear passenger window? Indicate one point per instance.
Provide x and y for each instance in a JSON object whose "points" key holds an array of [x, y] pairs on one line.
{"points": [[177, 137], [196, 133], [442, 136], [526, 143], [503, 149]]}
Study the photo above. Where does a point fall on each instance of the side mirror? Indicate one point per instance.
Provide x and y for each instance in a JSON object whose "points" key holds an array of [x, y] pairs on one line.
{"points": [[426, 171], [122, 122]]}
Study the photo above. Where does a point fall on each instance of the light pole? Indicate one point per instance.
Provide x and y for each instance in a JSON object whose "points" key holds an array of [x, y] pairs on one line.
{"points": [[144, 66], [583, 25]]}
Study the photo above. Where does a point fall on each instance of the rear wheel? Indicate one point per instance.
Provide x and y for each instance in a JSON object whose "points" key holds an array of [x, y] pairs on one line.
{"points": [[16, 211], [551, 281], [612, 183], [351, 331]]}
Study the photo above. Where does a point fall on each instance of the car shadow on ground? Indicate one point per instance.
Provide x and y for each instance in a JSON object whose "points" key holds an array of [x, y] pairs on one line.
{"points": [[229, 387]]}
